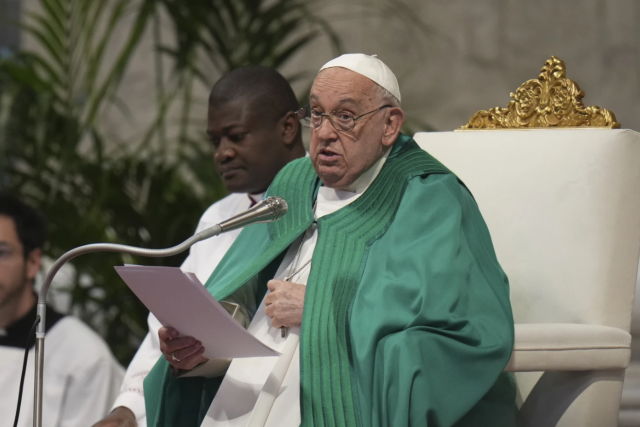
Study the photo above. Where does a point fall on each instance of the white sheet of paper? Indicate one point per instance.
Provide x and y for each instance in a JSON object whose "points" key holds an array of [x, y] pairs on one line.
{"points": [[179, 300]]}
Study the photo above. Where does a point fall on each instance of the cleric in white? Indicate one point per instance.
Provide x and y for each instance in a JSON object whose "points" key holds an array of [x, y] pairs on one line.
{"points": [[255, 132], [81, 376]]}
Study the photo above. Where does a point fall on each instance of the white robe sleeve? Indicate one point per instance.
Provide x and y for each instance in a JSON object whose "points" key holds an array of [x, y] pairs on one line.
{"points": [[132, 390], [203, 258]]}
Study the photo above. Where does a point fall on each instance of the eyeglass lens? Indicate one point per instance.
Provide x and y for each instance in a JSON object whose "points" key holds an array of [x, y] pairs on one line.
{"points": [[313, 119]]}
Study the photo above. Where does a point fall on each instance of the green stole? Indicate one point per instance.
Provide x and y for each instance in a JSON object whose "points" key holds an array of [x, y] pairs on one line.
{"points": [[344, 238]]}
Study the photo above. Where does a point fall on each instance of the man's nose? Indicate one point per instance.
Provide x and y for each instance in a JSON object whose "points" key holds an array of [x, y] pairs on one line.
{"points": [[225, 151], [326, 131]]}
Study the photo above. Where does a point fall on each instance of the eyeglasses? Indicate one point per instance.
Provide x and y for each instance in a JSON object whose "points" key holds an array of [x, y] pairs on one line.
{"points": [[342, 121]]}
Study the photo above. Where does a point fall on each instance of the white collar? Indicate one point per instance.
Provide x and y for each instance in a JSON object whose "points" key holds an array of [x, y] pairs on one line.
{"points": [[255, 198]]}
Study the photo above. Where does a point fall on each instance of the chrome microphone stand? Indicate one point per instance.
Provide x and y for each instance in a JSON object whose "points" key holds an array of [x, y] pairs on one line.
{"points": [[270, 209]]}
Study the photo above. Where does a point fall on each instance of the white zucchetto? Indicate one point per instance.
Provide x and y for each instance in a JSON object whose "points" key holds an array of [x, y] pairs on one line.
{"points": [[369, 66]]}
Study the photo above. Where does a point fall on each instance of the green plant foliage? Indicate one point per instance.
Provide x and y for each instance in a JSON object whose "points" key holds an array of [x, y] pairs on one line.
{"points": [[233, 33], [214, 37], [54, 154], [141, 200]]}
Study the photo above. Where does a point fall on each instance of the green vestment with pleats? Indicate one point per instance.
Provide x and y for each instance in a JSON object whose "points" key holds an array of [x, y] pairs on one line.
{"points": [[406, 320]]}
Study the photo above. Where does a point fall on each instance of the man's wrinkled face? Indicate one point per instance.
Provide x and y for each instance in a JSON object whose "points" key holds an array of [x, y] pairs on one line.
{"points": [[339, 158], [16, 272], [246, 144]]}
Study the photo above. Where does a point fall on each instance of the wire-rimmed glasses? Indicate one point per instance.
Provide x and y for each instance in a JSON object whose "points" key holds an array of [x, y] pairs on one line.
{"points": [[342, 121]]}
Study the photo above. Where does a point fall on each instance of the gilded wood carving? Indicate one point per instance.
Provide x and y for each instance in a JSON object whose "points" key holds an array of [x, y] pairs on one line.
{"points": [[551, 100]]}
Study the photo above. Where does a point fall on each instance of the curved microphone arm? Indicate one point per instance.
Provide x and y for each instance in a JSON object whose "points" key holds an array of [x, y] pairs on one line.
{"points": [[131, 250], [270, 209]]}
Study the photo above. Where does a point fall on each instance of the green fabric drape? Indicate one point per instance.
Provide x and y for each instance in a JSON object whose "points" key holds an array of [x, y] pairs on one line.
{"points": [[407, 318]]}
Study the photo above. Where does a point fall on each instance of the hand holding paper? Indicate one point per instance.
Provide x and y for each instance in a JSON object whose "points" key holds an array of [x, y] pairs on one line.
{"points": [[181, 302], [181, 352]]}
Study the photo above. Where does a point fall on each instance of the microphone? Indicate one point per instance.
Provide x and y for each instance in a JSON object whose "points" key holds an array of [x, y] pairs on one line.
{"points": [[270, 209], [267, 210]]}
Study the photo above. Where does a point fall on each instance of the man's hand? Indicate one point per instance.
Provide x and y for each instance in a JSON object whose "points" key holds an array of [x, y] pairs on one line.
{"points": [[187, 350], [119, 417], [284, 304]]}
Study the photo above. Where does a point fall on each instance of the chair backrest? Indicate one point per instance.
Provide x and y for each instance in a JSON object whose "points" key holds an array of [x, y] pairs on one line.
{"points": [[563, 209]]}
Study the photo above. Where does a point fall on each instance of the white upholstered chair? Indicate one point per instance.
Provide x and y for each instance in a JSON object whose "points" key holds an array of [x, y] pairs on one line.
{"points": [[563, 209]]}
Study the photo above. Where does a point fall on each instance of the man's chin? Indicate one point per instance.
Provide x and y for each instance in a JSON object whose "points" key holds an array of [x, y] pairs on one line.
{"points": [[235, 187], [333, 180], [238, 186], [235, 182], [5, 298]]}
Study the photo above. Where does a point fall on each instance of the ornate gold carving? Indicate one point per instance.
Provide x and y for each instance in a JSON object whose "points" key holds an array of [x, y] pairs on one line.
{"points": [[552, 100]]}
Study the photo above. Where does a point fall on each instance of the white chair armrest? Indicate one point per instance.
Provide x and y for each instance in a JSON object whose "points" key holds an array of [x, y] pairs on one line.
{"points": [[568, 347]]}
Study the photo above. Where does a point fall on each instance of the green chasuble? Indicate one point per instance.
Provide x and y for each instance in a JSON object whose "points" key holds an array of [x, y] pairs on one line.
{"points": [[406, 320]]}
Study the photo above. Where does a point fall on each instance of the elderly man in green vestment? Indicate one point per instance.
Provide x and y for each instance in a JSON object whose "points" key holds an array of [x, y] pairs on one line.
{"points": [[380, 287]]}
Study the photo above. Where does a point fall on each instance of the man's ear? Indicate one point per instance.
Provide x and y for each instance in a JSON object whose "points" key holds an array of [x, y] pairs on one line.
{"points": [[392, 126], [290, 126], [34, 260]]}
